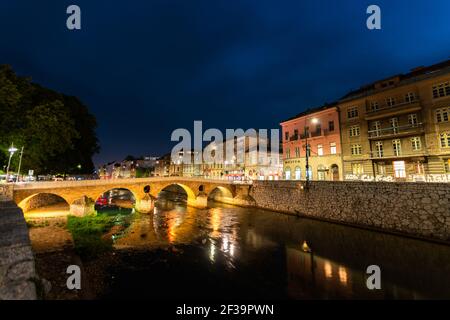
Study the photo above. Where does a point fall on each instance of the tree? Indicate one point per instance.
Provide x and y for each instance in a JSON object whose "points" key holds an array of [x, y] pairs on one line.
{"points": [[57, 131]]}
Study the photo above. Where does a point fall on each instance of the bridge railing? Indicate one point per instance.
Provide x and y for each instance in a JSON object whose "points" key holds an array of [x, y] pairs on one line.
{"points": [[87, 183]]}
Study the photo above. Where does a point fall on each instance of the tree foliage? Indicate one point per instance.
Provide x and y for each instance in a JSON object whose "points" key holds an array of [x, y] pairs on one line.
{"points": [[56, 131]]}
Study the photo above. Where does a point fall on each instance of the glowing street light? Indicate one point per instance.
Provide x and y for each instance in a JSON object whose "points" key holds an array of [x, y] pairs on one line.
{"points": [[11, 151], [314, 121]]}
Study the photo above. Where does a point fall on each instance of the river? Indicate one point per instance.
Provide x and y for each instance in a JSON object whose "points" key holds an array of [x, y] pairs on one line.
{"points": [[228, 251]]}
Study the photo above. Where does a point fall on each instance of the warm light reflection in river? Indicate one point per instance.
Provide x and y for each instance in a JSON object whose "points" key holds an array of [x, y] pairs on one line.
{"points": [[269, 245], [271, 254]]}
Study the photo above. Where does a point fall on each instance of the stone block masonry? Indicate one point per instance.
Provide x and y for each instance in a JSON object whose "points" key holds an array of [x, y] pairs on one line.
{"points": [[416, 209], [17, 268]]}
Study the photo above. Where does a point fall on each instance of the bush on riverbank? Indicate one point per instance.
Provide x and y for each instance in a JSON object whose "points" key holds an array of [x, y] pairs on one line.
{"points": [[87, 234]]}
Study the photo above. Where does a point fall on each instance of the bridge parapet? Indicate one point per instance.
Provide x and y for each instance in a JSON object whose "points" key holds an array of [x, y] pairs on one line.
{"points": [[144, 190]]}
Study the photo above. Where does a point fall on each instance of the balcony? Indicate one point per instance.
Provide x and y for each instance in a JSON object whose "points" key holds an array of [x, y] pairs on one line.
{"points": [[294, 137], [400, 131], [385, 110], [401, 155], [316, 133]]}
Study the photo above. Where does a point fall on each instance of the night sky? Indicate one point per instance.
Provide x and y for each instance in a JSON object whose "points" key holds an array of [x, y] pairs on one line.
{"points": [[147, 67]]}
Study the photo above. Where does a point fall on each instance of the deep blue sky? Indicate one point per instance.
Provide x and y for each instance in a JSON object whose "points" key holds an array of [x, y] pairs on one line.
{"points": [[147, 67]]}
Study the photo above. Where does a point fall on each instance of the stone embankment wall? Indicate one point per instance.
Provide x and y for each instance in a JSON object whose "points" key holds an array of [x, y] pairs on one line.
{"points": [[18, 276], [417, 209]]}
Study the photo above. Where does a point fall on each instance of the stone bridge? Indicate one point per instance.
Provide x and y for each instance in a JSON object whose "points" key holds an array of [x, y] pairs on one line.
{"points": [[81, 195]]}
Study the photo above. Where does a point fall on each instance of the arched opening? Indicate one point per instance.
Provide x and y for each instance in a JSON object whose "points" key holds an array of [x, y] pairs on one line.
{"points": [[298, 172], [44, 205], [174, 195], [335, 172], [287, 173], [115, 201], [220, 194]]}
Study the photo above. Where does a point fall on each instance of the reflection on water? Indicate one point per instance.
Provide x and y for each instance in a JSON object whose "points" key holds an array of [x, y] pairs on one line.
{"points": [[272, 247]]}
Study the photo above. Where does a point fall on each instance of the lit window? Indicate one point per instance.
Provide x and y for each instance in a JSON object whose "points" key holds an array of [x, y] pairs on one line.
{"points": [[333, 148], [320, 150], [442, 114], [357, 168], [354, 131], [356, 149], [445, 139], [441, 90], [287, 173], [399, 169], [297, 173], [416, 144], [352, 112]]}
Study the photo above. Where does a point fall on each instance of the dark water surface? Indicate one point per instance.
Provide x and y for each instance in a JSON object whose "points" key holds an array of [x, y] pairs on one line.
{"points": [[232, 252]]}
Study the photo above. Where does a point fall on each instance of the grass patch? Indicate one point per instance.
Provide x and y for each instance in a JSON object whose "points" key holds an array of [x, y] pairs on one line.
{"points": [[87, 234]]}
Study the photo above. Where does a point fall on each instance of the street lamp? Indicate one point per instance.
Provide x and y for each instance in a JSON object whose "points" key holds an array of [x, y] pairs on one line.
{"points": [[314, 121], [11, 151]]}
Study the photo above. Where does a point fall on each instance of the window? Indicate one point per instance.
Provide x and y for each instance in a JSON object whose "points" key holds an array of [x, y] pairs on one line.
{"points": [[357, 168], [410, 97], [416, 144], [297, 152], [354, 131], [286, 136], [287, 173], [356, 149], [330, 125], [376, 127], [297, 173], [320, 150], [352, 112], [445, 139], [381, 168], [390, 101], [379, 149], [396, 145], [318, 129], [441, 90], [447, 165], [394, 125], [412, 120], [288, 153], [333, 148], [442, 114], [373, 106], [399, 169]]}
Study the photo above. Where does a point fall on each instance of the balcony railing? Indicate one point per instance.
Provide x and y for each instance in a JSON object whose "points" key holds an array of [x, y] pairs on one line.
{"points": [[399, 155], [385, 106], [394, 131]]}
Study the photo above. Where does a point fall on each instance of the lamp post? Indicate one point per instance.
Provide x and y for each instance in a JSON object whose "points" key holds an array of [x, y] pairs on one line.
{"points": [[11, 151], [315, 121], [20, 164]]}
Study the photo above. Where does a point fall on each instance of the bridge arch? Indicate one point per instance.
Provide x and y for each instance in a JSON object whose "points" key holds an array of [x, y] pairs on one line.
{"points": [[220, 191], [42, 199], [191, 195]]}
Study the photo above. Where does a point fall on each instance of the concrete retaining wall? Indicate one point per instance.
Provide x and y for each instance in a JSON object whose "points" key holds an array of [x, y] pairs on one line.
{"points": [[417, 209], [17, 268]]}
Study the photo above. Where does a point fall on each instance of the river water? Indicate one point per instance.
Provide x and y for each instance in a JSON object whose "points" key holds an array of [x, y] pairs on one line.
{"points": [[233, 252]]}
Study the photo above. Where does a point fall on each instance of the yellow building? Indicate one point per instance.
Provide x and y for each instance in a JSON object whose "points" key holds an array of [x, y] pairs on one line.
{"points": [[398, 128]]}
